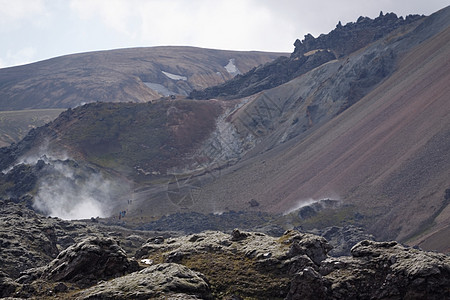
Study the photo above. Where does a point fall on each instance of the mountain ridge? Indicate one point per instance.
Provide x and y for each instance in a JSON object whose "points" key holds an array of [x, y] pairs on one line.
{"points": [[308, 54]]}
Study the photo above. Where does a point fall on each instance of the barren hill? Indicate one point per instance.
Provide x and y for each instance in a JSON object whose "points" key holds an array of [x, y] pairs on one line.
{"points": [[136, 75]]}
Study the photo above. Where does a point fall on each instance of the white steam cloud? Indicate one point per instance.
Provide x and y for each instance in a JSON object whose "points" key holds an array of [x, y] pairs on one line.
{"points": [[306, 202], [300, 204], [68, 195], [67, 190]]}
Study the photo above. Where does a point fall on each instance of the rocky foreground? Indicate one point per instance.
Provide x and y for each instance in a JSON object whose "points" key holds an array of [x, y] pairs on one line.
{"points": [[45, 258]]}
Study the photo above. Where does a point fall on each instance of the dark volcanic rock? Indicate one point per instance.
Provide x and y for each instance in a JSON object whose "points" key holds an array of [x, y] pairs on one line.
{"points": [[377, 270], [26, 241], [346, 39], [7, 285], [342, 238], [208, 264], [29, 240], [89, 261], [265, 77]]}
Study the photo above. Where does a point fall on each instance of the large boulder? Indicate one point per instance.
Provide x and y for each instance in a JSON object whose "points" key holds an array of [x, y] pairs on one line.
{"points": [[161, 281], [89, 261]]}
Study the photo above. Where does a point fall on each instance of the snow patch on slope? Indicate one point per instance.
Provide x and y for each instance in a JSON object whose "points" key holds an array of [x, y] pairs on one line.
{"points": [[231, 67], [174, 76]]}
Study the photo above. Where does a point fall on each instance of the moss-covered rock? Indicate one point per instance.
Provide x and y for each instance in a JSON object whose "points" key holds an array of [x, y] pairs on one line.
{"points": [[250, 265], [161, 281]]}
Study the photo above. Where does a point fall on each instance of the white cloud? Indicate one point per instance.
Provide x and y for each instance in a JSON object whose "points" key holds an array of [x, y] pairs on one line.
{"points": [[115, 14], [12, 13], [229, 24], [23, 56]]}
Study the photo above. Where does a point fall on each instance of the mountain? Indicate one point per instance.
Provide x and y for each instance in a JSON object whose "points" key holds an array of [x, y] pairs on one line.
{"points": [[356, 135], [136, 75]]}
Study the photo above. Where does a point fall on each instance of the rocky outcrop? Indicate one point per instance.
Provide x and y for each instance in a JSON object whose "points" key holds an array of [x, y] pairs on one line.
{"points": [[89, 261], [264, 77], [30, 240], [244, 264], [376, 270], [161, 281], [342, 238], [346, 39], [25, 240], [308, 54], [297, 266]]}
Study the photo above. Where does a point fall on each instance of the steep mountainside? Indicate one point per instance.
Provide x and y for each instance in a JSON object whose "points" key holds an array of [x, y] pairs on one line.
{"points": [[137, 75], [385, 157]]}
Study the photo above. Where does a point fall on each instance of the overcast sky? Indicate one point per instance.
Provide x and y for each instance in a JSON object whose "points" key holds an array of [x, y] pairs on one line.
{"points": [[33, 30]]}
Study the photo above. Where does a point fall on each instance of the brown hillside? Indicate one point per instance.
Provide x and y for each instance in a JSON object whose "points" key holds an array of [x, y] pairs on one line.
{"points": [[137, 75]]}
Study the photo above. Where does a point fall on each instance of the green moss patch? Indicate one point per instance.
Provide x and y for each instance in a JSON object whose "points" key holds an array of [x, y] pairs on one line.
{"points": [[238, 275]]}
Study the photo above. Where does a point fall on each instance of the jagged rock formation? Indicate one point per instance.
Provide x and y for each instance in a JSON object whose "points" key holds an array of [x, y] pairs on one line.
{"points": [[346, 39], [7, 285], [308, 54], [376, 270], [89, 261], [27, 240]]}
